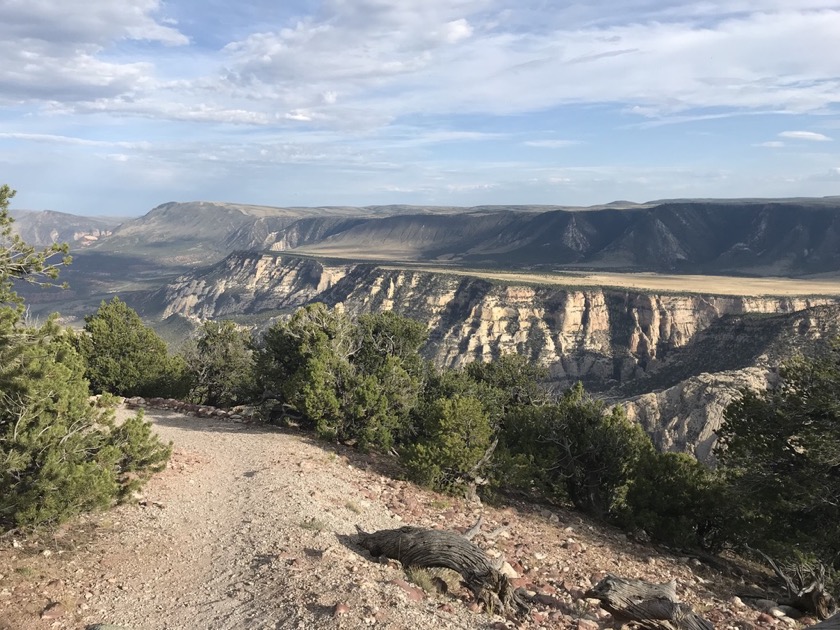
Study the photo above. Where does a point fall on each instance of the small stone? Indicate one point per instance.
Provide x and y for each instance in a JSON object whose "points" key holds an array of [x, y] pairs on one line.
{"points": [[46, 553], [341, 609], [508, 571], [414, 594], [765, 618], [539, 617], [587, 624]]}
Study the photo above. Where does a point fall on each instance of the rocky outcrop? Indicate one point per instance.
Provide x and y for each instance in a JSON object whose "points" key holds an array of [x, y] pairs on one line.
{"points": [[246, 284], [685, 417], [603, 336], [673, 361]]}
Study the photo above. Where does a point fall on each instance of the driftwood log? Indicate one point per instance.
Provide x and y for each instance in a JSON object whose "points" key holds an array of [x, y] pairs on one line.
{"points": [[649, 606], [805, 587], [428, 548]]}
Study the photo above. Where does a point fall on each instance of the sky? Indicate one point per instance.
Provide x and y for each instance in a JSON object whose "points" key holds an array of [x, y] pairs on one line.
{"points": [[111, 107]]}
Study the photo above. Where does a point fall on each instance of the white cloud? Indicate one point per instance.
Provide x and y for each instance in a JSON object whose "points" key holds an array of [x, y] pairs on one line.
{"points": [[551, 144], [771, 144], [389, 63], [805, 135], [300, 115], [456, 30], [71, 140], [71, 22], [391, 59], [56, 50]]}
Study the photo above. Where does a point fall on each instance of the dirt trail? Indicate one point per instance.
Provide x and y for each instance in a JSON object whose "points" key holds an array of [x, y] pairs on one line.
{"points": [[248, 528], [242, 531]]}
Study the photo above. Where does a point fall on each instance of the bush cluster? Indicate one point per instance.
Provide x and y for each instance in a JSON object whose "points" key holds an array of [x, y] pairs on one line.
{"points": [[59, 453], [492, 424]]}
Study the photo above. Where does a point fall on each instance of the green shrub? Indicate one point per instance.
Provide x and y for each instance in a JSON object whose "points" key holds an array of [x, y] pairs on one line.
{"points": [[126, 357], [779, 451], [454, 437], [62, 454], [349, 380], [677, 501], [219, 365], [577, 449]]}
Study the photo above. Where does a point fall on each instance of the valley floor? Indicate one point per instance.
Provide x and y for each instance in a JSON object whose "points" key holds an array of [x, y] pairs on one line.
{"points": [[248, 528]]}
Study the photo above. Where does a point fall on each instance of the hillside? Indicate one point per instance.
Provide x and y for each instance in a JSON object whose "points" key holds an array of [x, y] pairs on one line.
{"points": [[251, 526], [770, 238], [740, 237], [45, 227]]}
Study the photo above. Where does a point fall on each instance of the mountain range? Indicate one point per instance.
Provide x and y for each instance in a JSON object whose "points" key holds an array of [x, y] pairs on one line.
{"points": [[738, 237], [491, 280]]}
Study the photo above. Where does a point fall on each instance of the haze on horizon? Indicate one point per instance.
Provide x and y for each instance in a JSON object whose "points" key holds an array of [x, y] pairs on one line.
{"points": [[111, 107]]}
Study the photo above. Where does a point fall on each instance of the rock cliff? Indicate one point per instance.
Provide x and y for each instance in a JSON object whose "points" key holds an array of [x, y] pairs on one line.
{"points": [[674, 360]]}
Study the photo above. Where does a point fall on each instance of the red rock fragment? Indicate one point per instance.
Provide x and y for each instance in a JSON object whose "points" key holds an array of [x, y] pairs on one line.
{"points": [[414, 594]]}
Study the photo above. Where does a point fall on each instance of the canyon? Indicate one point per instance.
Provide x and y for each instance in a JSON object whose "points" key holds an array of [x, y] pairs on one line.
{"points": [[672, 360], [599, 295]]}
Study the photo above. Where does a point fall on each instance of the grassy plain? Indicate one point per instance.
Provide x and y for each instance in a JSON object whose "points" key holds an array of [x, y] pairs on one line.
{"points": [[709, 285]]}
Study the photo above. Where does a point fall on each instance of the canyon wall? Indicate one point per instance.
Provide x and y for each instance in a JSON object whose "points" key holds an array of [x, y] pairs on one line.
{"points": [[673, 360]]}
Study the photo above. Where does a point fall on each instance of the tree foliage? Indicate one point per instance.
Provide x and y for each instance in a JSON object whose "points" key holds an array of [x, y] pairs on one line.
{"points": [[454, 438], [350, 380], [59, 454], [576, 448], [220, 365], [677, 500], [126, 357], [780, 453], [20, 261]]}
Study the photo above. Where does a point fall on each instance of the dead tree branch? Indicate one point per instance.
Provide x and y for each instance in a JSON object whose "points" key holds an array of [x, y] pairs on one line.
{"points": [[649, 606]]}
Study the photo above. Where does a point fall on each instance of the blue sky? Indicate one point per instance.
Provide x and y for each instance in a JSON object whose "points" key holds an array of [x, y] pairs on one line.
{"points": [[111, 107]]}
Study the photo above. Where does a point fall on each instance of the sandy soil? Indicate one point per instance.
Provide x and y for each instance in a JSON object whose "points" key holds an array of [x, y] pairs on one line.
{"points": [[250, 527]]}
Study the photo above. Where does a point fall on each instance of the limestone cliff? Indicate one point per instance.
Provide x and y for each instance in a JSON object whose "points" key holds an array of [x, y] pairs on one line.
{"points": [[246, 284], [675, 359]]}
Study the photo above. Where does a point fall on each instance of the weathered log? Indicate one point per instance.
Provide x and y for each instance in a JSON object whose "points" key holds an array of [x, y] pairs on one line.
{"points": [[805, 587], [649, 606], [428, 548], [832, 623]]}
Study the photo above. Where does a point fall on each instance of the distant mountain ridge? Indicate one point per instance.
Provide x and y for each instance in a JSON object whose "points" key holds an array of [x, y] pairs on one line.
{"points": [[792, 237], [45, 227]]}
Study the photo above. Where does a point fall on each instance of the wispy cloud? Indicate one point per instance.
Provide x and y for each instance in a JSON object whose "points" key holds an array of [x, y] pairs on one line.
{"points": [[441, 92], [70, 140], [810, 136], [551, 144]]}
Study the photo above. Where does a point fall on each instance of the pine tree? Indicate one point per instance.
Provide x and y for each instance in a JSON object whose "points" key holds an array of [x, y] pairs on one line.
{"points": [[59, 454], [124, 356]]}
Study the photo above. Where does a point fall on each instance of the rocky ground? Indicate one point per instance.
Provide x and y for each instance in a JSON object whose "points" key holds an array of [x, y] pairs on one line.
{"points": [[251, 527]]}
